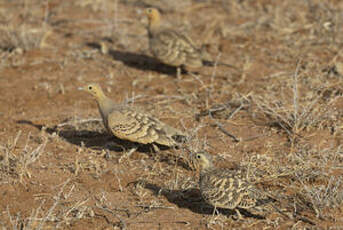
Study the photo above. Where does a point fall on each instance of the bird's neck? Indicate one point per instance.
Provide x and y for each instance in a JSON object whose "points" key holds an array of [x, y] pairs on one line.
{"points": [[154, 25], [203, 174], [105, 105], [205, 170]]}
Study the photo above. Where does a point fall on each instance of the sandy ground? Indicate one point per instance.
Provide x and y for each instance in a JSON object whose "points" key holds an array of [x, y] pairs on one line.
{"points": [[279, 114]]}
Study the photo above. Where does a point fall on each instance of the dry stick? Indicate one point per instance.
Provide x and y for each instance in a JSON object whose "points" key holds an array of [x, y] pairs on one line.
{"points": [[122, 222], [295, 94], [213, 75], [78, 122], [272, 112], [301, 218], [34, 216], [77, 205], [278, 74], [104, 207], [236, 111], [160, 222], [295, 103], [163, 99], [10, 217], [52, 208], [155, 206], [221, 128], [307, 112], [254, 137], [16, 140], [210, 89]]}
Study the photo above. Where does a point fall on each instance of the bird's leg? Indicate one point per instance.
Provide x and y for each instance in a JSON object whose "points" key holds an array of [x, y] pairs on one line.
{"points": [[239, 215], [132, 150], [155, 147], [215, 211], [178, 72], [128, 153]]}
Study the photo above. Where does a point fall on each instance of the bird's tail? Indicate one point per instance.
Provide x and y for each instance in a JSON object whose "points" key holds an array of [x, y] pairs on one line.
{"points": [[207, 59]]}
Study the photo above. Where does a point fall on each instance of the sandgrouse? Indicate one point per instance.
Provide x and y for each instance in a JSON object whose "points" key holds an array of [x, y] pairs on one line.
{"points": [[171, 47], [227, 188], [128, 123]]}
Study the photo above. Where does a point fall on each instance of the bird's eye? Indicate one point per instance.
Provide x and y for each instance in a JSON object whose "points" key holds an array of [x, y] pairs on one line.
{"points": [[149, 11], [198, 156], [90, 87]]}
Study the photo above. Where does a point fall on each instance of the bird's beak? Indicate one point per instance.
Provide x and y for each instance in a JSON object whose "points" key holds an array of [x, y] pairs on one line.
{"points": [[83, 88]]}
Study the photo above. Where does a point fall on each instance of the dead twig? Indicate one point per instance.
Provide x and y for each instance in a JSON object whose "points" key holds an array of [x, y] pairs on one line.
{"points": [[221, 128], [78, 122]]}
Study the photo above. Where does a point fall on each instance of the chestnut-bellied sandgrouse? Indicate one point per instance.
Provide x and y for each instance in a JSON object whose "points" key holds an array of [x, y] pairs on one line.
{"points": [[228, 188], [171, 47], [129, 123], [174, 48]]}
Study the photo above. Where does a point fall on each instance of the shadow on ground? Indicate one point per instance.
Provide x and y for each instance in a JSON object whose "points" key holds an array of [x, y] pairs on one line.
{"points": [[139, 61], [192, 200], [91, 136]]}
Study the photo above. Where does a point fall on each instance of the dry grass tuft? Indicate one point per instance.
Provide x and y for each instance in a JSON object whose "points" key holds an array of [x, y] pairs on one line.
{"points": [[58, 214], [22, 38], [308, 179], [15, 162], [294, 111], [279, 118]]}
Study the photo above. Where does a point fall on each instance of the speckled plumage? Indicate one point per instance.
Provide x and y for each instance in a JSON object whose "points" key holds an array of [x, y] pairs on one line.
{"points": [[129, 123], [171, 47], [227, 188]]}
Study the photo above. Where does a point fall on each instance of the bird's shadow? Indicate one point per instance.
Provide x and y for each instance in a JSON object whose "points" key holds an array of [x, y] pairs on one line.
{"points": [[192, 200], [139, 61], [92, 134]]}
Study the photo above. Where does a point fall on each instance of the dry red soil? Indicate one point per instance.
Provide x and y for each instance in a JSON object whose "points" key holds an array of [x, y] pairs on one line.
{"points": [[279, 113]]}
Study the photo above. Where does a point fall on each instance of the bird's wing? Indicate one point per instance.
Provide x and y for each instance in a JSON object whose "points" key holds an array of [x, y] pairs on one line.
{"points": [[140, 127], [222, 188], [175, 48]]}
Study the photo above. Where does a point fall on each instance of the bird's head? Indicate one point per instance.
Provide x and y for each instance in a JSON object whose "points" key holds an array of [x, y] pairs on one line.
{"points": [[94, 89], [153, 15], [204, 159]]}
